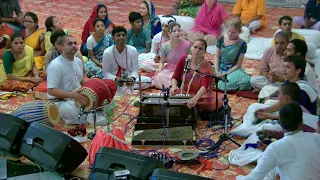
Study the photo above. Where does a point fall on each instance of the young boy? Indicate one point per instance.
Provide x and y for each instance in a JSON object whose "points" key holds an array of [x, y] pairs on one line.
{"points": [[138, 36]]}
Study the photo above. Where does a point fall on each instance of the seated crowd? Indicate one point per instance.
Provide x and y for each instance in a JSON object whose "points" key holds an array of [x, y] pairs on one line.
{"points": [[286, 84]]}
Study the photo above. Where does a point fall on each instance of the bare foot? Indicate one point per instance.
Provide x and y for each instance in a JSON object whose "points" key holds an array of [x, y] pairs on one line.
{"points": [[256, 91]]}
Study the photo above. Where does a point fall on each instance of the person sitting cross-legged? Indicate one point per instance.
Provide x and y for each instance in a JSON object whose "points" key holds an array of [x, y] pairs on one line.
{"points": [[120, 62], [64, 77], [252, 148], [271, 65], [295, 47], [96, 44], [311, 19], [296, 156], [251, 12], [18, 71], [293, 71]]}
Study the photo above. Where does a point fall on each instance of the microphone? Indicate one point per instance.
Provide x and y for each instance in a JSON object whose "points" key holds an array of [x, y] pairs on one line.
{"points": [[186, 65]]}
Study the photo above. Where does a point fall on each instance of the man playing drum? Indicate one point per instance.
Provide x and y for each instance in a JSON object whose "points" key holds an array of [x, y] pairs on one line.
{"points": [[64, 77]]}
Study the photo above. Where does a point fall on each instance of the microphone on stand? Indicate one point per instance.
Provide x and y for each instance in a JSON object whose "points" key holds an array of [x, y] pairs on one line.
{"points": [[186, 65]]}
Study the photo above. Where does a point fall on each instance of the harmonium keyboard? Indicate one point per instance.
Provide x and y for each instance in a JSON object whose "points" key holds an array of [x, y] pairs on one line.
{"points": [[179, 123]]}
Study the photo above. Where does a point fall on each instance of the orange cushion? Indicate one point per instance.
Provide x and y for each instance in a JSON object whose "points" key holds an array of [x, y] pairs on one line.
{"points": [[41, 90]]}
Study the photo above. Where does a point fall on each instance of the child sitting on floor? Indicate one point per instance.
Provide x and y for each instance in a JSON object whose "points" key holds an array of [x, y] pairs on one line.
{"points": [[137, 36]]}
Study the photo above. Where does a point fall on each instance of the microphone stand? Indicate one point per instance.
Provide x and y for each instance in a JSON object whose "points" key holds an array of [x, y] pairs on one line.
{"points": [[94, 111], [225, 136], [166, 98]]}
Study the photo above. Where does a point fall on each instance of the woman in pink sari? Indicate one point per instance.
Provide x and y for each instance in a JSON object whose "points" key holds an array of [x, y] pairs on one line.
{"points": [[170, 53], [208, 22]]}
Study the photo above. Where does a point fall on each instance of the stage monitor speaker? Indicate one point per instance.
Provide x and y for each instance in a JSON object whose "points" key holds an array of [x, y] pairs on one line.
{"points": [[52, 149], [12, 130], [110, 160], [165, 174]]}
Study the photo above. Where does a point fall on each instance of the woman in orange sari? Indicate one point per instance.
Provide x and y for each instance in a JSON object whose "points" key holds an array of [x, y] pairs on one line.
{"points": [[18, 71], [193, 83], [34, 37]]}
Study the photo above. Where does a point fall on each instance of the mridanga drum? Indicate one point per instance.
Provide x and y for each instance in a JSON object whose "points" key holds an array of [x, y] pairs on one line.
{"points": [[38, 112], [97, 91]]}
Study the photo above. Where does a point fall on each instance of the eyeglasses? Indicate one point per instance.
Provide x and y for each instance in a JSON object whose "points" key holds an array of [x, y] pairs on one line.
{"points": [[30, 22]]}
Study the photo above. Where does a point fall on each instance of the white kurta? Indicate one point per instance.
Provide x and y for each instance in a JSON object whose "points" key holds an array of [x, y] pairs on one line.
{"points": [[127, 59], [65, 75], [295, 156], [242, 156]]}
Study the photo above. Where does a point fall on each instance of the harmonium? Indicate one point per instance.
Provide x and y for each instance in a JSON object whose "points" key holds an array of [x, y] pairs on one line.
{"points": [[165, 120]]}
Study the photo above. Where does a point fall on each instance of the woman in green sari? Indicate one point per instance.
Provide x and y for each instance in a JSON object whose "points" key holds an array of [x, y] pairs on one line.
{"points": [[18, 71], [229, 56]]}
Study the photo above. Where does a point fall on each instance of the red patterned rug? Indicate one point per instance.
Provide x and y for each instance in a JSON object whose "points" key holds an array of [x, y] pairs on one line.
{"points": [[74, 13]]}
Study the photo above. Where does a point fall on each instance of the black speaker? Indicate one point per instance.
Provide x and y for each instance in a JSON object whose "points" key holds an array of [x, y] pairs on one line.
{"points": [[165, 174], [110, 160], [12, 130], [52, 149]]}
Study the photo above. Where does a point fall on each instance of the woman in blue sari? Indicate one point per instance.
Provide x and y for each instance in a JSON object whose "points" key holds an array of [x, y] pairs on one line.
{"points": [[96, 45], [229, 56], [99, 11], [150, 21]]}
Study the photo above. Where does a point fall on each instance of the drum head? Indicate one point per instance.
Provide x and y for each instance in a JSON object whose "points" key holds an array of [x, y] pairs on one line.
{"points": [[53, 114], [90, 96]]}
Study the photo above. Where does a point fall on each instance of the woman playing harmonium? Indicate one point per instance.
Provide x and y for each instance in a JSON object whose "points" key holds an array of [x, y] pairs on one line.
{"points": [[197, 85], [18, 71]]}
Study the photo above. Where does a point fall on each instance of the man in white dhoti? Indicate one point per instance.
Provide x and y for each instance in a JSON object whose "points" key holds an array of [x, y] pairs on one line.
{"points": [[288, 93], [296, 156], [120, 62], [295, 47], [64, 77], [150, 61]]}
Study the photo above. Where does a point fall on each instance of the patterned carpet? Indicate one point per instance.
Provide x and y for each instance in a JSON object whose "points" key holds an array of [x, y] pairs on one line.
{"points": [[74, 13]]}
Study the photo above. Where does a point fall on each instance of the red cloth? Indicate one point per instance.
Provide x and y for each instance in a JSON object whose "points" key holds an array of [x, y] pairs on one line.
{"points": [[247, 94], [102, 139], [40, 92]]}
